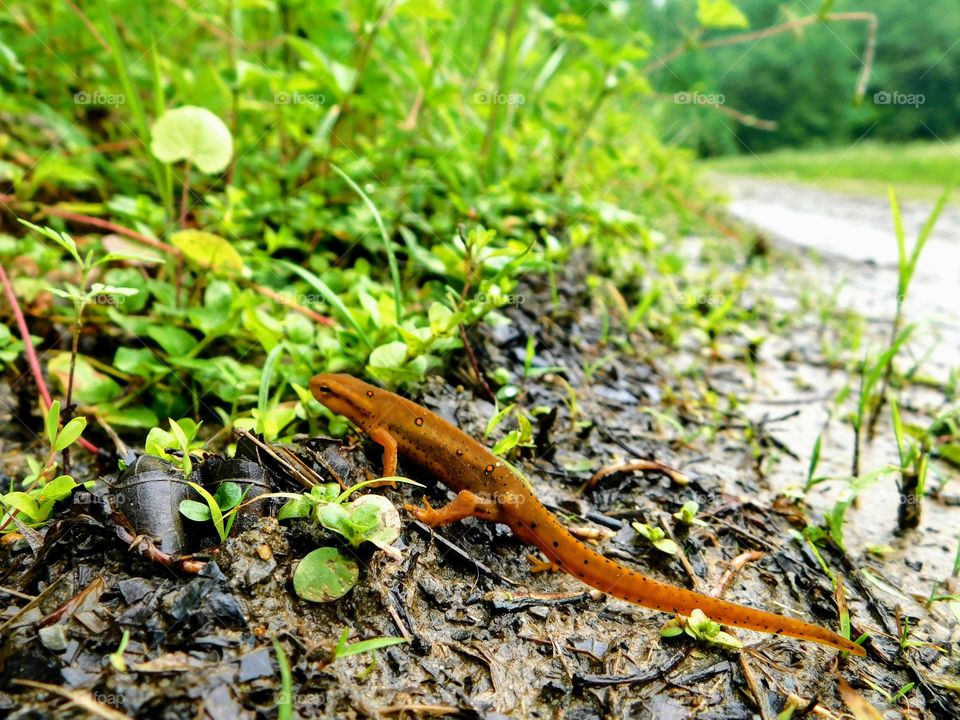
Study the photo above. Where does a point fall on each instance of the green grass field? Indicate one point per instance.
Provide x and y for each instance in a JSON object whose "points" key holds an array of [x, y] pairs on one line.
{"points": [[917, 169]]}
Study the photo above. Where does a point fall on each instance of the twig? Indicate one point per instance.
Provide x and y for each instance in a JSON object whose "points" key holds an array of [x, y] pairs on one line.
{"points": [[671, 472], [733, 567], [868, 52]]}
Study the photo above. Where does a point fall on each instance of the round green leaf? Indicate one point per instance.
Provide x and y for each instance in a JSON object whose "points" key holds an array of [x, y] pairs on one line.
{"points": [[325, 575], [194, 134], [228, 495]]}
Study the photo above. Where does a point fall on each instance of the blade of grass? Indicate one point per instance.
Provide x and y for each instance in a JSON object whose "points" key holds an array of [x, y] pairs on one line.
{"points": [[387, 243], [285, 703], [330, 296]]}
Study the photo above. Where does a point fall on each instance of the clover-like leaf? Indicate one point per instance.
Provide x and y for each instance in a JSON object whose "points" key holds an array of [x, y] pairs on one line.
{"points": [[194, 134], [325, 575]]}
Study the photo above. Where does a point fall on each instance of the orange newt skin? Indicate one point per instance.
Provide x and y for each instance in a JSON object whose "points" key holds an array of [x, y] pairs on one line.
{"points": [[486, 488]]}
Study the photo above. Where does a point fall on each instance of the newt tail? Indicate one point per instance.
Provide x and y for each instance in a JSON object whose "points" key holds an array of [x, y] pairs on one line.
{"points": [[489, 490]]}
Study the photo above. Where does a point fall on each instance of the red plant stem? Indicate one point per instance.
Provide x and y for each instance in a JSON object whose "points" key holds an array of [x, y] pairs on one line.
{"points": [[31, 354], [114, 228]]}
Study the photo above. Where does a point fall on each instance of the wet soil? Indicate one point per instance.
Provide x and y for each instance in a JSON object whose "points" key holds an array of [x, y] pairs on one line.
{"points": [[486, 637]]}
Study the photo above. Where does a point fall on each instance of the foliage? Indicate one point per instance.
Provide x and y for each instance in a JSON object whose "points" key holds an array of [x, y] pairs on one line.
{"points": [[699, 627], [805, 80], [220, 508], [42, 488], [326, 573]]}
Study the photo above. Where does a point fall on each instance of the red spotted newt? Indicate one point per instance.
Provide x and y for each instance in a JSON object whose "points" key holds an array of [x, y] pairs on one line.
{"points": [[488, 489]]}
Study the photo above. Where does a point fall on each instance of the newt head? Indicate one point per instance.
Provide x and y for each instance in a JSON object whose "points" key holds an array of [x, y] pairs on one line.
{"points": [[339, 392]]}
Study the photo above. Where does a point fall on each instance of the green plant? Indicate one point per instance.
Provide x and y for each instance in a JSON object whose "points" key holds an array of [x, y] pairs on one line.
{"points": [[687, 514], [906, 267], [656, 536], [117, 661], [221, 508], [181, 438], [285, 700], [42, 488], [325, 573], [701, 628], [344, 649]]}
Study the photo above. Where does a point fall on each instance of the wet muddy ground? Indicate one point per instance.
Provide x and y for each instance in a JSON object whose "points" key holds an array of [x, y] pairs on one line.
{"points": [[486, 637]]}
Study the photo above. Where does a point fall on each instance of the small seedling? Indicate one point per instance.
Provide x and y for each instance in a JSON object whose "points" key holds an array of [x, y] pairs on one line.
{"points": [[220, 507], [116, 657], [42, 487], [181, 438], [701, 628], [657, 537], [688, 514], [344, 649], [285, 701]]}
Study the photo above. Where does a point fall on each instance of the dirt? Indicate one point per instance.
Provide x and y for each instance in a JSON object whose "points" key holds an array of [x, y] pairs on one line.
{"points": [[486, 637]]}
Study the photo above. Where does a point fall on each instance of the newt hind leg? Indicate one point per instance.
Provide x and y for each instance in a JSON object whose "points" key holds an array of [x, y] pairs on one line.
{"points": [[465, 504]]}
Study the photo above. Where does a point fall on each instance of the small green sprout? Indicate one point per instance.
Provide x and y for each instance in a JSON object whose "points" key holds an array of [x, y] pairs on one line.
{"points": [[700, 627], [42, 487], [181, 437], [345, 649], [688, 514], [657, 537], [116, 657], [220, 507], [285, 701]]}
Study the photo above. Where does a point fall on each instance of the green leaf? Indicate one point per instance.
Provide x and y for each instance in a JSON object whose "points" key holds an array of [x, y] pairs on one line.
{"points": [[363, 646], [194, 510], [720, 14], [381, 521], [208, 251], [174, 341], [71, 431], [228, 495], [90, 386], [23, 503], [53, 422], [325, 575], [212, 506], [57, 489], [194, 134], [62, 239], [300, 507], [391, 355], [138, 361], [385, 239]]}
